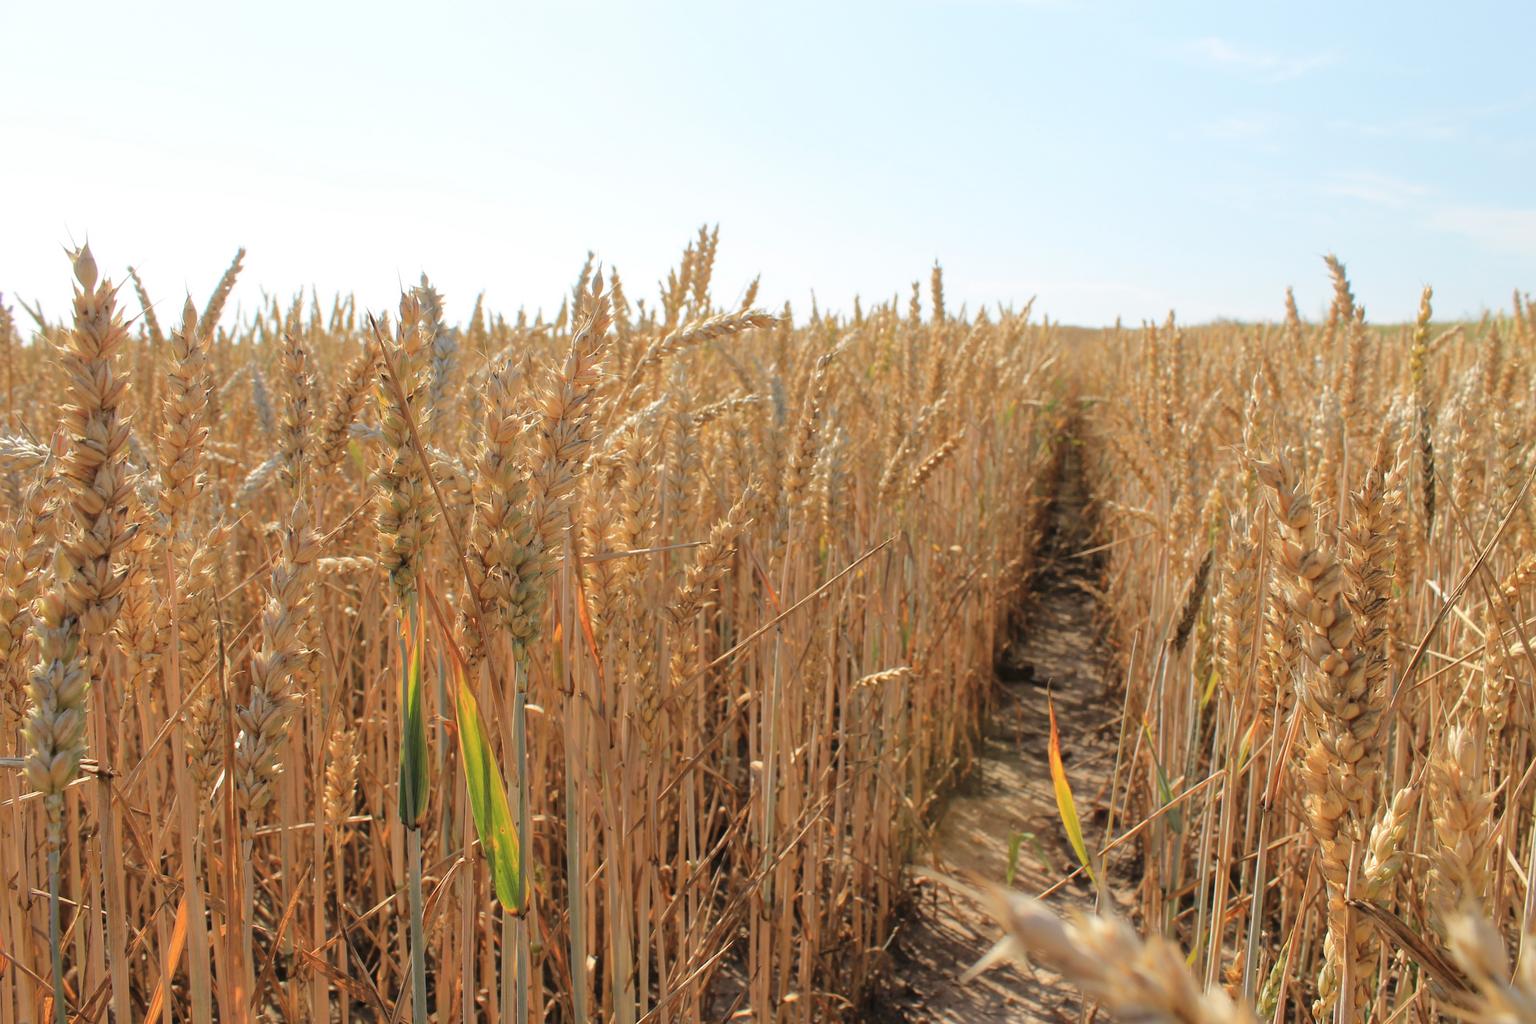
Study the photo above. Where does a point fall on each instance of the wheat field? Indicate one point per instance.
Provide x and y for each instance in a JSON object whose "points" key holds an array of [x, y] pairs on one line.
{"points": [[615, 665], [364, 667], [1320, 580]]}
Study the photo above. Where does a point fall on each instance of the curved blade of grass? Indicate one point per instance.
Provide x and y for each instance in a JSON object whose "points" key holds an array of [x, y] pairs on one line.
{"points": [[1064, 802], [487, 795]]}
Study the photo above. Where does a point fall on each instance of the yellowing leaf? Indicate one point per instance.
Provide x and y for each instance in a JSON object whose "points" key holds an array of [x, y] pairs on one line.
{"points": [[1064, 802], [1210, 689], [1245, 748], [487, 795]]}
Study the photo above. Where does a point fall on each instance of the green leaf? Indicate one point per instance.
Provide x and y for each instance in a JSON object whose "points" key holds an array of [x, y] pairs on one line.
{"points": [[1016, 841], [1164, 790], [415, 769], [488, 796]]}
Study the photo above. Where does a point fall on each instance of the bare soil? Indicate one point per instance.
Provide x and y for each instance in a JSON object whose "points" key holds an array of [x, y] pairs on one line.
{"points": [[1059, 651]]}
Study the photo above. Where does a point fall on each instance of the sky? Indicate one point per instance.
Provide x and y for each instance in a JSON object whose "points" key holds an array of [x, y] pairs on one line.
{"points": [[1112, 159]]}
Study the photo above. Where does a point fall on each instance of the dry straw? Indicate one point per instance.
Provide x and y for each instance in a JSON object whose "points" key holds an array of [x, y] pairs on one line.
{"points": [[729, 587]]}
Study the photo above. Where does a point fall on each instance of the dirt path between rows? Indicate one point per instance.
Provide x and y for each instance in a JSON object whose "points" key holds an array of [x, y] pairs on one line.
{"points": [[1058, 650]]}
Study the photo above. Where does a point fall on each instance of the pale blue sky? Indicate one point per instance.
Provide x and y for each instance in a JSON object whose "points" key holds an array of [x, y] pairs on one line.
{"points": [[1113, 158]]}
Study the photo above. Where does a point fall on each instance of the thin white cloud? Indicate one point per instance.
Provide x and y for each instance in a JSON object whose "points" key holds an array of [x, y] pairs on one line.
{"points": [[1378, 189], [1509, 228], [1425, 128], [1260, 133], [1503, 227], [1269, 67], [1443, 124]]}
